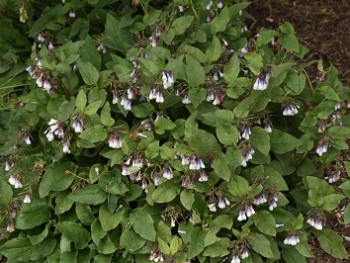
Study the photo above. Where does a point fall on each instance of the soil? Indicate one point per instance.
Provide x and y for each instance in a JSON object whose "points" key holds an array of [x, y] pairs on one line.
{"points": [[323, 26]]}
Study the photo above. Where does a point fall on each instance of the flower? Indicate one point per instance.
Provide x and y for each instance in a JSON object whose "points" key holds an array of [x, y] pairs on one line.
{"points": [[260, 199], [72, 14], [210, 95], [186, 100], [78, 124], [51, 46], [235, 259], [168, 172], [203, 177], [245, 133], [322, 147], [212, 207], [261, 82], [196, 163], [209, 5], [102, 48], [8, 165], [333, 177], [55, 129], [244, 253], [27, 140], [156, 256], [290, 110], [27, 199], [273, 202], [292, 239], [115, 94], [247, 155], [126, 103], [115, 141], [245, 212], [185, 160], [66, 143], [159, 97], [315, 222], [10, 226], [168, 79]]}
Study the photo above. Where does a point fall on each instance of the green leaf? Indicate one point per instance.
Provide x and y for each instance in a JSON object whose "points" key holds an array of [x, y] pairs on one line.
{"points": [[213, 52], [332, 243], [330, 202], [260, 140], [75, 233], [90, 195], [163, 124], [165, 193], [180, 24], [97, 233], [130, 240], [197, 96], [94, 134], [261, 245], [116, 36], [238, 186], [113, 184], [81, 100], [265, 222], [142, 110], [227, 135], [32, 215], [106, 246], [195, 74], [196, 245], [347, 215], [219, 23], [92, 108], [152, 150], [218, 249], [84, 214], [232, 69], [109, 221], [57, 178], [106, 118], [21, 249], [187, 198], [88, 72], [220, 166], [291, 255], [282, 142], [151, 17], [142, 223]]}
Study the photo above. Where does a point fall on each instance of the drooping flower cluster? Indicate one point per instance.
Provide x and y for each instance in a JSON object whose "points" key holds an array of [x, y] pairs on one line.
{"points": [[115, 141], [15, 181], [315, 222], [217, 200], [156, 256], [245, 212], [262, 81], [290, 109], [322, 147], [292, 239]]}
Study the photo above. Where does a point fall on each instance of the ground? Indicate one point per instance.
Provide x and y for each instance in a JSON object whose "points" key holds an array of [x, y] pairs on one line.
{"points": [[323, 26]]}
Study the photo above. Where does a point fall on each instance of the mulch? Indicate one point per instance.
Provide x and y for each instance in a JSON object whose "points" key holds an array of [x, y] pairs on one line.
{"points": [[323, 26]]}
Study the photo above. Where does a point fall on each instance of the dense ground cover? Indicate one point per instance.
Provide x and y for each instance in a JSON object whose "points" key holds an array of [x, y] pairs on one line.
{"points": [[139, 131]]}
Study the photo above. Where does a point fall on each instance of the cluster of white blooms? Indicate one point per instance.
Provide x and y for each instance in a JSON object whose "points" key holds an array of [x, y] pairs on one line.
{"points": [[247, 155], [262, 81], [292, 239], [78, 124], [322, 147], [115, 141], [218, 201], [245, 212], [168, 172], [245, 133], [156, 256], [333, 177], [272, 201], [102, 48], [8, 165], [55, 129], [15, 181], [156, 95], [260, 199], [315, 222], [168, 79], [290, 109], [27, 199], [72, 14]]}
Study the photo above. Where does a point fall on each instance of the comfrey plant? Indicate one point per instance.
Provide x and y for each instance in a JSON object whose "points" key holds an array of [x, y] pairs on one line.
{"points": [[162, 131]]}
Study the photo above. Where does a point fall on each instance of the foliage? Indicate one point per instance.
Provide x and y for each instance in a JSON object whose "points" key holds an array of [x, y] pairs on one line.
{"points": [[164, 131]]}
